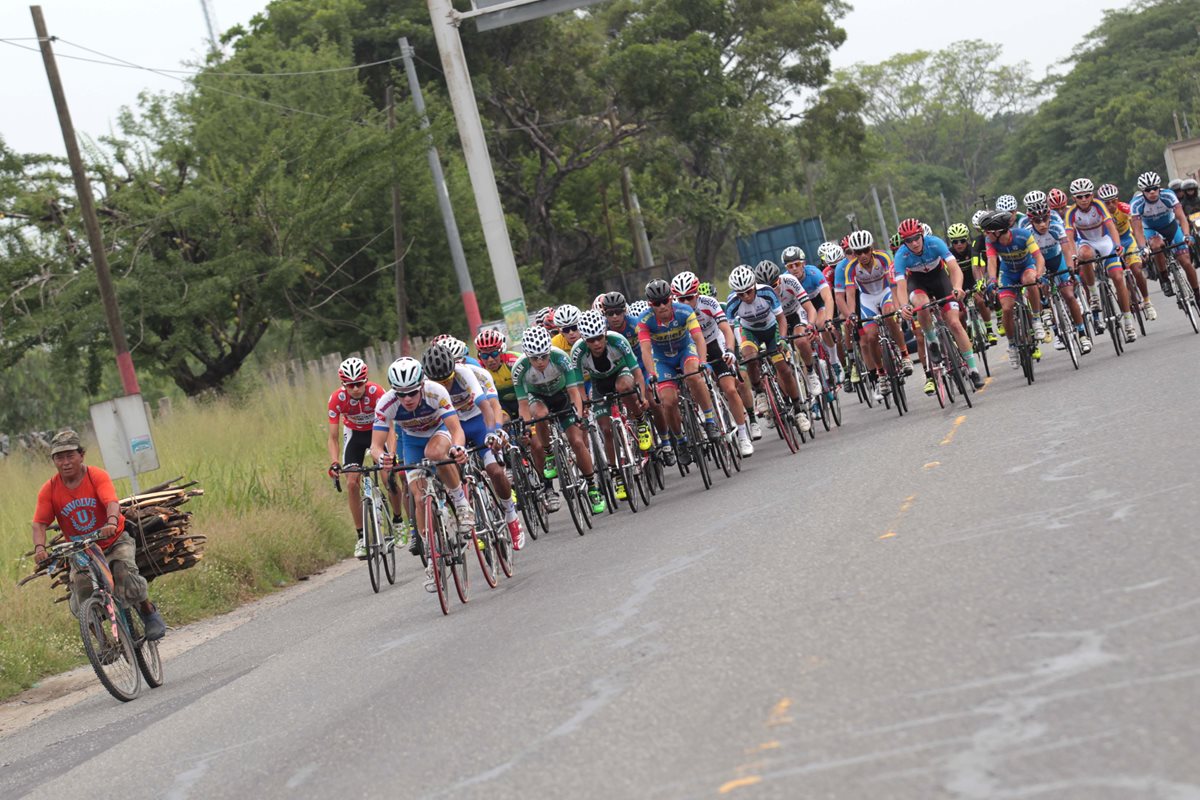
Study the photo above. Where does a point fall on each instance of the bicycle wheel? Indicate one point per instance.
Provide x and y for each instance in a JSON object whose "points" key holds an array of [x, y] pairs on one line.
{"points": [[109, 647], [502, 548], [1112, 318], [459, 542], [371, 540], [1066, 329], [146, 652], [1135, 300], [389, 547], [891, 368], [436, 552], [481, 541], [603, 475], [784, 430], [701, 451], [569, 482], [1184, 293], [959, 373]]}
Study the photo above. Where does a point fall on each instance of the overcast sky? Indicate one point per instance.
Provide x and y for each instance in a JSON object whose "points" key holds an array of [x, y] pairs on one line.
{"points": [[166, 33]]}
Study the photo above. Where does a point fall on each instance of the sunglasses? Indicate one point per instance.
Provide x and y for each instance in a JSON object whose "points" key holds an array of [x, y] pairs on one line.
{"points": [[1082, 196], [910, 239], [614, 312], [660, 302], [565, 329], [490, 353], [594, 339], [960, 241], [862, 251], [1152, 189], [997, 234], [1040, 217], [355, 385], [746, 293], [687, 298], [412, 393]]}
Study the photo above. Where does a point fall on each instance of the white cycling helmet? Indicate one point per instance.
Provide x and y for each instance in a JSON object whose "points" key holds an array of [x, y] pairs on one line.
{"points": [[684, 283], [566, 315], [928, 231], [638, 309], [536, 341], [457, 347], [742, 278], [598, 303], [1148, 180], [1083, 186], [861, 239], [833, 254], [1034, 198], [592, 324], [405, 374], [352, 370], [977, 216], [791, 255], [1006, 202]]}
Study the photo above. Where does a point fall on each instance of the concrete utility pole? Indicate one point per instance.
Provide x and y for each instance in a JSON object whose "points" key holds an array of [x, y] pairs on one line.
{"points": [[398, 238], [465, 287], [879, 210], [892, 200], [479, 165], [87, 208]]}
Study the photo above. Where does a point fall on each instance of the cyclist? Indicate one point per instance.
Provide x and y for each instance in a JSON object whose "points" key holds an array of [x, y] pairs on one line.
{"points": [[864, 281], [1109, 194], [958, 238], [833, 262], [671, 341], [566, 320], [797, 311], [1189, 195], [1161, 214], [1057, 200], [1023, 263], [707, 290], [756, 309], [481, 428], [1095, 234], [1058, 251], [720, 349], [78, 497], [546, 384], [926, 263], [1008, 204], [606, 360], [353, 406], [894, 243], [427, 427], [491, 347], [619, 319]]}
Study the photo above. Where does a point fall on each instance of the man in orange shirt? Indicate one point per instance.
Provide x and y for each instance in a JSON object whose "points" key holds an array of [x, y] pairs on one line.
{"points": [[78, 498]]}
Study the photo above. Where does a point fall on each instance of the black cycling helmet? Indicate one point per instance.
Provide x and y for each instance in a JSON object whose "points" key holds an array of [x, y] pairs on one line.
{"points": [[438, 363], [996, 221], [613, 301], [658, 289]]}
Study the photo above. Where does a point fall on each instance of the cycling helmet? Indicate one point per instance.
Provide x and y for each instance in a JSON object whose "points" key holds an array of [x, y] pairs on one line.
{"points": [[895, 242], [742, 278], [536, 342], [978, 215], [566, 315], [1006, 202], [845, 242], [833, 254], [928, 231], [822, 250], [996, 221], [598, 303], [861, 240], [441, 338], [1033, 198], [591, 324], [544, 317], [958, 231], [405, 374], [909, 227], [707, 289], [638, 308], [1189, 185], [1174, 185], [766, 271], [791, 255], [685, 283], [1107, 191], [614, 301], [490, 339], [658, 290], [438, 362], [1085, 186], [352, 370], [458, 349], [1038, 210], [1150, 180], [1057, 198]]}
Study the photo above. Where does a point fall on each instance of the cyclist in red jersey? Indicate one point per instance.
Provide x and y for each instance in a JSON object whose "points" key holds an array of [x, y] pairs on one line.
{"points": [[354, 405]]}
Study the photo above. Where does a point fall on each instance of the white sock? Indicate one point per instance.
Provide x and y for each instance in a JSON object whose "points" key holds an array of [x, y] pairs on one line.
{"points": [[458, 496]]}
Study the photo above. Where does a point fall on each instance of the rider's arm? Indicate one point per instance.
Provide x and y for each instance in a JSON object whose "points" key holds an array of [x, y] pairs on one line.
{"points": [[1181, 219], [993, 267], [727, 334], [523, 409], [576, 395], [1139, 231], [379, 443], [847, 298], [1039, 261], [825, 312], [1111, 227], [956, 274], [332, 441], [457, 437]]}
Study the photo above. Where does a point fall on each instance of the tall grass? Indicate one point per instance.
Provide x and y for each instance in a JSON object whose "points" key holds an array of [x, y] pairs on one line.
{"points": [[268, 511]]}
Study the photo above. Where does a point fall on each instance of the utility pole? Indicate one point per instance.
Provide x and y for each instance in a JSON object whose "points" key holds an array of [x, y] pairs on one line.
{"points": [[398, 236], [637, 225], [879, 210], [945, 211], [479, 165], [892, 199], [457, 256], [87, 208]]}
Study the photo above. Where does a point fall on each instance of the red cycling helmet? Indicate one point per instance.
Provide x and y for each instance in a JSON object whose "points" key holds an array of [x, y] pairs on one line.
{"points": [[845, 243], [910, 227], [1057, 198], [490, 339]]}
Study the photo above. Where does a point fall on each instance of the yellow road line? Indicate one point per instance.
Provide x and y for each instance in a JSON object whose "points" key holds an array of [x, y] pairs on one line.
{"points": [[738, 783], [932, 464], [954, 429]]}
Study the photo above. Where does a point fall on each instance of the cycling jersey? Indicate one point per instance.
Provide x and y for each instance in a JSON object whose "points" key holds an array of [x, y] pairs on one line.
{"points": [[559, 340], [671, 337], [1016, 256], [814, 281], [1159, 215], [1120, 215], [1021, 221], [872, 279], [358, 415], [710, 315], [616, 358], [1052, 240], [533, 382], [757, 314], [423, 421], [1088, 226], [502, 379], [933, 256], [466, 393], [791, 293]]}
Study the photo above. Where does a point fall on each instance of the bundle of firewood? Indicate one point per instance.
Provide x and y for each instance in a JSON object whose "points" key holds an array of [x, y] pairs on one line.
{"points": [[160, 531]]}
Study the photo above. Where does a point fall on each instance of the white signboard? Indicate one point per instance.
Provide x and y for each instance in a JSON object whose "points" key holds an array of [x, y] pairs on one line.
{"points": [[1183, 159], [123, 434], [512, 12]]}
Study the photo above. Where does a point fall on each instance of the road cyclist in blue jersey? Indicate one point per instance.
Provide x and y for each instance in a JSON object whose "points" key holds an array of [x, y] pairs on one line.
{"points": [[820, 294], [1058, 252], [798, 310], [619, 318], [1159, 223], [671, 342], [1014, 258]]}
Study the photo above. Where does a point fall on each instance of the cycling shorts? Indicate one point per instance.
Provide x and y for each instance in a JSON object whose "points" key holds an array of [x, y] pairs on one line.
{"points": [[795, 320], [476, 433], [671, 367], [1104, 249], [716, 359], [412, 448], [355, 445], [607, 385], [542, 404], [1053, 265], [1172, 235], [935, 284], [767, 341], [1132, 255], [871, 305]]}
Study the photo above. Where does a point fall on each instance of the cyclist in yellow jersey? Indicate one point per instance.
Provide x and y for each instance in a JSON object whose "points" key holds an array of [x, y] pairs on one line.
{"points": [[1109, 194], [566, 318]]}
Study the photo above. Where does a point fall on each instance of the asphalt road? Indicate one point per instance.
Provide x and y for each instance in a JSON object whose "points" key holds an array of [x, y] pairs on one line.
{"points": [[994, 603]]}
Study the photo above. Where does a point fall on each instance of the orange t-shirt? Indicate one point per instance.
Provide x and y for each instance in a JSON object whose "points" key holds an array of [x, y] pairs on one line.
{"points": [[80, 510]]}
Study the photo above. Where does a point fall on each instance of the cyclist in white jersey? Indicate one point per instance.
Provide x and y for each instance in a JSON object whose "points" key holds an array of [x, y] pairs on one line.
{"points": [[1095, 234]]}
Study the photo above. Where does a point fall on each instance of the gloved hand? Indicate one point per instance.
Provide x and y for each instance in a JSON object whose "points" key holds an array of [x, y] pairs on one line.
{"points": [[334, 469]]}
